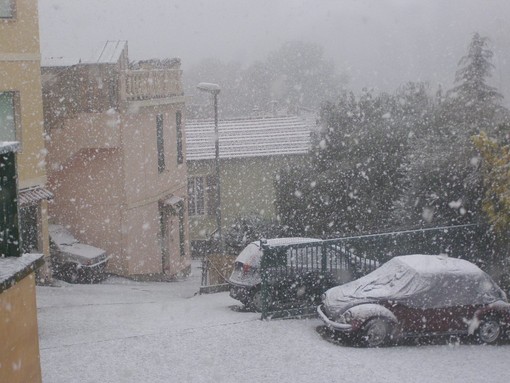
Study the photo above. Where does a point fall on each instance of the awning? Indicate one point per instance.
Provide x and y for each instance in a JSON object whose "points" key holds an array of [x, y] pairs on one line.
{"points": [[33, 195]]}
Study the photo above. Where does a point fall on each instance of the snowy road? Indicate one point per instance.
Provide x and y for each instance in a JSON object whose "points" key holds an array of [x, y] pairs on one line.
{"points": [[123, 331]]}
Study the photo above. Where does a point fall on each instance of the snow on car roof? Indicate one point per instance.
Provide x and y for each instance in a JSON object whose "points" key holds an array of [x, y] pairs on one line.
{"points": [[434, 264], [252, 253], [422, 281], [60, 235]]}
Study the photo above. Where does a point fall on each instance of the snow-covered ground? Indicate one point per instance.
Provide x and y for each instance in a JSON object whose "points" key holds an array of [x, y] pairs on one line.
{"points": [[125, 331]]}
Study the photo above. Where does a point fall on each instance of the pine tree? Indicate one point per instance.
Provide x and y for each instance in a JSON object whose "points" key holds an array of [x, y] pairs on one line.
{"points": [[352, 178], [443, 179], [474, 102]]}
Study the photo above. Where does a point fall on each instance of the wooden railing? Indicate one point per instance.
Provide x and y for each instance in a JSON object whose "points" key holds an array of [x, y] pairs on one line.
{"points": [[146, 84]]}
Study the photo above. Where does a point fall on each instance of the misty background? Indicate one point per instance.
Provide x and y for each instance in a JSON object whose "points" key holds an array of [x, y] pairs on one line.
{"points": [[379, 44]]}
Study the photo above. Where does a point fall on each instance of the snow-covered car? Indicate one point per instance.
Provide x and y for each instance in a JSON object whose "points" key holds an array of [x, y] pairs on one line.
{"points": [[73, 261], [418, 296], [295, 280]]}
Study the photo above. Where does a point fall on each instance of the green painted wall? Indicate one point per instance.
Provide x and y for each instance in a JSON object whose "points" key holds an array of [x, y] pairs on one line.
{"points": [[247, 186]]}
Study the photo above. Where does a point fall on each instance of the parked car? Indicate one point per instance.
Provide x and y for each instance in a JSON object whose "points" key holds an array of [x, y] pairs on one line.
{"points": [[418, 296], [294, 278], [75, 262]]}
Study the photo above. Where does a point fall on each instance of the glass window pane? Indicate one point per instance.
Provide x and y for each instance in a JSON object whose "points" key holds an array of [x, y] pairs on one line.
{"points": [[6, 9], [7, 123], [160, 143]]}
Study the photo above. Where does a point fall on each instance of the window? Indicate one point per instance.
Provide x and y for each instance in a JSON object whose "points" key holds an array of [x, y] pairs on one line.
{"points": [[7, 9], [178, 127], [164, 237], [7, 117], [160, 143], [180, 214], [211, 196], [9, 229], [202, 195], [196, 196]]}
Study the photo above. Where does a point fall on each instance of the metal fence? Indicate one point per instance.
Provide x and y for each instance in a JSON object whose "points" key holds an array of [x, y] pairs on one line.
{"points": [[295, 276]]}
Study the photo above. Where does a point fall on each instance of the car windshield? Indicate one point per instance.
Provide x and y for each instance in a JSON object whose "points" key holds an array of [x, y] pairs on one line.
{"points": [[61, 236]]}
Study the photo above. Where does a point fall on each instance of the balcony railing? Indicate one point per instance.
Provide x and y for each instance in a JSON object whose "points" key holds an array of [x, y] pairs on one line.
{"points": [[146, 84]]}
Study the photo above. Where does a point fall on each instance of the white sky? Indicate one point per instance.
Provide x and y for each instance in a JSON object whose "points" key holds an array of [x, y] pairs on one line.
{"points": [[379, 43]]}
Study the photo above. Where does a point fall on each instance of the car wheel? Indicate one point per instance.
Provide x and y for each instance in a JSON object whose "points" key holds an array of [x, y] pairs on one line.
{"points": [[69, 272], [489, 330], [374, 333]]}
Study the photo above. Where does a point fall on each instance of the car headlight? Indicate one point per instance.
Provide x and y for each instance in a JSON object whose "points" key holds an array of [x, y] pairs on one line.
{"points": [[346, 317]]}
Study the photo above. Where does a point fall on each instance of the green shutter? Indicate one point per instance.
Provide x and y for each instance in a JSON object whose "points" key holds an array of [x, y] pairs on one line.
{"points": [[9, 228]]}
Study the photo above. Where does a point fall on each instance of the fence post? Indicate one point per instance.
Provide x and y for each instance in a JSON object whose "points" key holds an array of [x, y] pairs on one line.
{"points": [[324, 260], [264, 278], [205, 271]]}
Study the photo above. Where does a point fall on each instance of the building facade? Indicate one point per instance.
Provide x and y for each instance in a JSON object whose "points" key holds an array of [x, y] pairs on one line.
{"points": [[116, 160], [252, 152], [21, 118], [23, 206]]}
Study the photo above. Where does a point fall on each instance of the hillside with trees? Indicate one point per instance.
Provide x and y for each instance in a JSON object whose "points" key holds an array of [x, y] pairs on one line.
{"points": [[397, 161]]}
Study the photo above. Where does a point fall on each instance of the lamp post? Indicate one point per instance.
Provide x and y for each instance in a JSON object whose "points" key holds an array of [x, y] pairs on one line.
{"points": [[214, 89]]}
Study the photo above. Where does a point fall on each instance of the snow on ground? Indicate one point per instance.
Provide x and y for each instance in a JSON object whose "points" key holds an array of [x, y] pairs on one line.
{"points": [[125, 331]]}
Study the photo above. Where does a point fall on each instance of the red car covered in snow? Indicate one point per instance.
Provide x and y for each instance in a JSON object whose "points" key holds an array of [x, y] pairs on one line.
{"points": [[417, 296]]}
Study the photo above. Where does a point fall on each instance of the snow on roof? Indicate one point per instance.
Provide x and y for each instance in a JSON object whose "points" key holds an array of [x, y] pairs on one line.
{"points": [[8, 146], [16, 267], [251, 137], [110, 53], [33, 195], [59, 61]]}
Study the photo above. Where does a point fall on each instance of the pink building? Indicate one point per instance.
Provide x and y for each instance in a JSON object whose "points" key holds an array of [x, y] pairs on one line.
{"points": [[116, 165]]}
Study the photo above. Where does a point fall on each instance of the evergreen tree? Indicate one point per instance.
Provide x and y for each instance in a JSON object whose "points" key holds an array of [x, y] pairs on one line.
{"points": [[353, 176], [473, 101], [443, 184]]}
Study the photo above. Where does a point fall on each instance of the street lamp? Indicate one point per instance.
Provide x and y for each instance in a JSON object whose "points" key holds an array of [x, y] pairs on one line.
{"points": [[214, 89]]}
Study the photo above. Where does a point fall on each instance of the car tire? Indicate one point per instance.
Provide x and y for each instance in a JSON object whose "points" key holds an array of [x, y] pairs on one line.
{"points": [[69, 272], [374, 333], [489, 331]]}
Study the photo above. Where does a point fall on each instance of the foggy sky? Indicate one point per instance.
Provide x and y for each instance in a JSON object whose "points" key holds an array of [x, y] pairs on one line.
{"points": [[377, 43]]}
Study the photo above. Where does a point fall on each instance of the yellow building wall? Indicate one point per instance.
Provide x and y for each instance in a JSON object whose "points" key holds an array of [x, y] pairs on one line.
{"points": [[20, 71], [21, 34], [247, 187], [19, 348]]}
